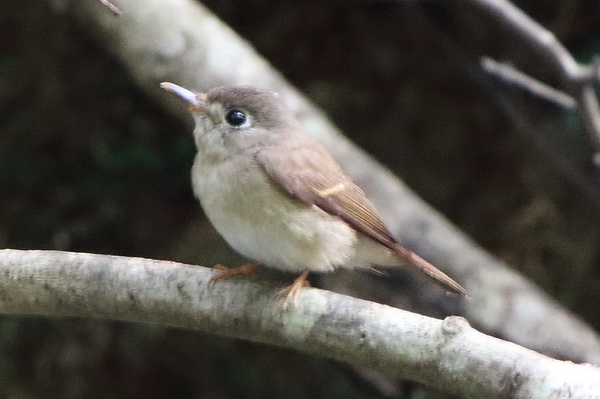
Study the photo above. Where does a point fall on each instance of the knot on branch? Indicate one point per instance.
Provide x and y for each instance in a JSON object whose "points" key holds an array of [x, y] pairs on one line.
{"points": [[454, 325]]}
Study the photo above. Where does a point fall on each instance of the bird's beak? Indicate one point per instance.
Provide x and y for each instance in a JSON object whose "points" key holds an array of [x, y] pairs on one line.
{"points": [[197, 101]]}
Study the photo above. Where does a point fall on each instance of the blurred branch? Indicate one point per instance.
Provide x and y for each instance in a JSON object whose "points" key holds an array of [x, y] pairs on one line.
{"points": [[534, 36], [510, 74], [578, 80], [528, 129], [449, 354], [588, 103], [182, 42], [116, 10]]}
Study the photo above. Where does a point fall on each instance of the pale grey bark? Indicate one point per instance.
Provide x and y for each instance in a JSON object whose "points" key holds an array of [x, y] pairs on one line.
{"points": [[449, 354], [182, 42]]}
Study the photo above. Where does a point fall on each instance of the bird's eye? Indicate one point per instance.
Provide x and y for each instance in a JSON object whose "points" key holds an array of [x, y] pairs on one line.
{"points": [[235, 118]]}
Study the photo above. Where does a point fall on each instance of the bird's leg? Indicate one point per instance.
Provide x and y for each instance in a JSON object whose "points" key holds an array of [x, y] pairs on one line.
{"points": [[226, 272], [293, 290]]}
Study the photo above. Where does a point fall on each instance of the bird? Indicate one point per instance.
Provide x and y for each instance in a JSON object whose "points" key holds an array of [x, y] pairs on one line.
{"points": [[278, 197]]}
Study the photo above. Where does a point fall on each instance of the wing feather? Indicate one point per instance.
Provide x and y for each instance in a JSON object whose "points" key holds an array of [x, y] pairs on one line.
{"points": [[309, 174], [298, 174]]}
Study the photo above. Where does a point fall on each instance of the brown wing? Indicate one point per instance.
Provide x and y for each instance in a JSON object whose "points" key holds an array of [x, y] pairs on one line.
{"points": [[309, 174]]}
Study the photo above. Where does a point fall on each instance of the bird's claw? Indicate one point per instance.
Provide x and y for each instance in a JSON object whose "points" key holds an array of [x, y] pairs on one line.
{"points": [[227, 272], [293, 290]]}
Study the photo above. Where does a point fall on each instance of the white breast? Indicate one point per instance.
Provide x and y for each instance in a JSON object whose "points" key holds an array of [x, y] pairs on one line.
{"points": [[266, 225]]}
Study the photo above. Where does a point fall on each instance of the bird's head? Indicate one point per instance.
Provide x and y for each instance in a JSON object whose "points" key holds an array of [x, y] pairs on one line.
{"points": [[236, 119]]}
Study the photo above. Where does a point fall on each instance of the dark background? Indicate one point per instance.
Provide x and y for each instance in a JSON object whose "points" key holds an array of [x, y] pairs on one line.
{"points": [[89, 163]]}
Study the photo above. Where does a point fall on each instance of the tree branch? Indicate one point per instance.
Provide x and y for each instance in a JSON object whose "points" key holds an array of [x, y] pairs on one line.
{"points": [[534, 36], [511, 75], [529, 130], [448, 355], [578, 80], [182, 42], [116, 10]]}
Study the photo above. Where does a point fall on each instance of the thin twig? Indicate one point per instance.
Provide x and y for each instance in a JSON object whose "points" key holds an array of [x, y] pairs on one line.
{"points": [[528, 129], [534, 35], [577, 80], [116, 10], [512, 75]]}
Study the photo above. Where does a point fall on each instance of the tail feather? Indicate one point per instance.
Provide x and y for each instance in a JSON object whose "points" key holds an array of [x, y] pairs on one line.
{"points": [[431, 271]]}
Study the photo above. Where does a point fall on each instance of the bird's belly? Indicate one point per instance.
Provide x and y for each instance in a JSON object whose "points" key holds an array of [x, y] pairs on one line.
{"points": [[266, 225]]}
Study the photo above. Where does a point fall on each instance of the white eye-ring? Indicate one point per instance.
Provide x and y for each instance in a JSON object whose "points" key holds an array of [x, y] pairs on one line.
{"points": [[237, 118]]}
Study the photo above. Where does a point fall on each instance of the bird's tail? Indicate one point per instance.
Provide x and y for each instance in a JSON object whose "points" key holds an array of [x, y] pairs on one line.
{"points": [[431, 271]]}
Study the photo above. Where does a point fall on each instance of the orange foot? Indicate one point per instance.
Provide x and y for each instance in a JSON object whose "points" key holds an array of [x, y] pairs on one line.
{"points": [[226, 272], [293, 290]]}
